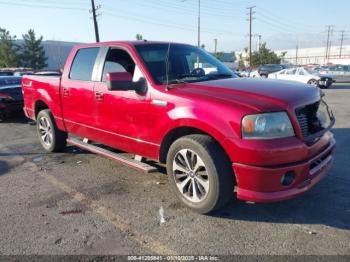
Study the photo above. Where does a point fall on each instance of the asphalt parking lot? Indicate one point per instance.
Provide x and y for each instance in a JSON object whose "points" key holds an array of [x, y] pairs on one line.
{"points": [[80, 203]]}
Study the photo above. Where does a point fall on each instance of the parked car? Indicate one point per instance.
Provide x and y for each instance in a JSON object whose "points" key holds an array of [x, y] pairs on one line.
{"points": [[48, 73], [254, 74], [22, 73], [303, 75], [6, 73], [341, 73], [245, 73], [11, 98], [267, 69], [215, 132]]}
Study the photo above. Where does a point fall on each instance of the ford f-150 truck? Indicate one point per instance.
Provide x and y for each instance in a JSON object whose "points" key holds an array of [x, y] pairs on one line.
{"points": [[219, 135]]}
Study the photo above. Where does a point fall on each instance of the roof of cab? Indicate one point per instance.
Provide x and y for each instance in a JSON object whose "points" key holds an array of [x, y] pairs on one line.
{"points": [[130, 43]]}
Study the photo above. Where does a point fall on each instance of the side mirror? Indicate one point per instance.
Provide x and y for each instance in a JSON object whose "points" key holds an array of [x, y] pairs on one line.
{"points": [[122, 81]]}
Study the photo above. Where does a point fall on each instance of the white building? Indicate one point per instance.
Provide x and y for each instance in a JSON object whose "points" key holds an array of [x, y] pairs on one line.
{"points": [[315, 55]]}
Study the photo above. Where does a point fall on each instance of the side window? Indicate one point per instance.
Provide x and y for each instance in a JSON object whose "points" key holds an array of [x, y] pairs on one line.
{"points": [[291, 72], [83, 64], [118, 60]]}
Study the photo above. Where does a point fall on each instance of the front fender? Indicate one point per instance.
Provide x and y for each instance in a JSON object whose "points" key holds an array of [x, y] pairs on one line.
{"points": [[210, 122]]}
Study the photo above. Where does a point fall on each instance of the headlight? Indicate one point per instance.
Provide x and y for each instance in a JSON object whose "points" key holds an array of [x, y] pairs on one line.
{"points": [[267, 126]]}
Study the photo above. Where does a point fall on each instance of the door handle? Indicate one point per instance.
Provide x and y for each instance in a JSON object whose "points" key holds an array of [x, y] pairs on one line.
{"points": [[99, 96], [65, 91]]}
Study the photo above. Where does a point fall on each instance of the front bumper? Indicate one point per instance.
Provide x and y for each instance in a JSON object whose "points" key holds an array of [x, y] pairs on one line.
{"points": [[327, 82], [263, 184]]}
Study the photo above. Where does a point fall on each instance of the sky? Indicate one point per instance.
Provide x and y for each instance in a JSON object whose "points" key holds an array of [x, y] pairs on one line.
{"points": [[283, 24]]}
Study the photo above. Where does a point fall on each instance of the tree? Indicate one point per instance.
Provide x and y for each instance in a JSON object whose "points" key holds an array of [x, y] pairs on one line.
{"points": [[243, 60], [139, 37], [265, 56], [218, 55], [8, 49], [33, 54]]}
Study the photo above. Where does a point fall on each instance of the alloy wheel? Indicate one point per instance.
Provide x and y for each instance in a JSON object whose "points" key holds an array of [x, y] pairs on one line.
{"points": [[45, 131], [190, 175]]}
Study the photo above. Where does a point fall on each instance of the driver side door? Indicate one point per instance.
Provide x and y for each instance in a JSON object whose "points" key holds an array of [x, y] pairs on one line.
{"points": [[122, 116]]}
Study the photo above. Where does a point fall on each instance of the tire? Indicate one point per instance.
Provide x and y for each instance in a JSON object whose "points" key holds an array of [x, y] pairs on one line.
{"points": [[264, 76], [313, 82], [210, 186], [51, 138]]}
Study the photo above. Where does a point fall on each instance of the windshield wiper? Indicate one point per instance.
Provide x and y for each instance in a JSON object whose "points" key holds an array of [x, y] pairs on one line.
{"points": [[180, 79], [218, 76], [177, 81]]}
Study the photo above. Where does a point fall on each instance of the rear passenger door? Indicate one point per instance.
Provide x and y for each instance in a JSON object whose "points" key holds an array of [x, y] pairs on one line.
{"points": [[77, 93]]}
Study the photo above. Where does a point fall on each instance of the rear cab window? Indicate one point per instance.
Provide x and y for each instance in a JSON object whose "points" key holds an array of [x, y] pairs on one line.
{"points": [[83, 64]]}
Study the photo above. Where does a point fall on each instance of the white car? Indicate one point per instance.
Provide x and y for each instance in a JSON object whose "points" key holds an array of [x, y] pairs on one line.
{"points": [[303, 75], [255, 74]]}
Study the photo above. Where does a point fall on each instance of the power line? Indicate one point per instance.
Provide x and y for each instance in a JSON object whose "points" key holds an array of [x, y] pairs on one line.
{"points": [[283, 20], [44, 6], [250, 32], [122, 13], [183, 9]]}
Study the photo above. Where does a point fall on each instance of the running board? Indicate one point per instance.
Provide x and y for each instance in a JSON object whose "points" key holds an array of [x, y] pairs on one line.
{"points": [[111, 155]]}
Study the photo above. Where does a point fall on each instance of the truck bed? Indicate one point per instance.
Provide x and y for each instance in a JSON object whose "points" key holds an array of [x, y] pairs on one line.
{"points": [[45, 89]]}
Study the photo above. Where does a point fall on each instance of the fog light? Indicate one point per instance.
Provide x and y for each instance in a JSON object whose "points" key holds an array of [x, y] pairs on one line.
{"points": [[288, 178]]}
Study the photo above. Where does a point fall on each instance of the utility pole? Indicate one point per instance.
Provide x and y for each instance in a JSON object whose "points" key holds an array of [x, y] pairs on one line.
{"points": [[342, 37], [215, 46], [329, 42], [199, 23], [250, 32], [259, 42], [93, 10], [296, 55]]}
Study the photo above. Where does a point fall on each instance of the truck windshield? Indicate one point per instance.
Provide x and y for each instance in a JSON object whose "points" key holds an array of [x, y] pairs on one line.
{"points": [[180, 63]]}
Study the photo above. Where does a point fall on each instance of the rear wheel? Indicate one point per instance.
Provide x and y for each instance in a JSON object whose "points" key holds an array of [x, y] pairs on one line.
{"points": [[51, 138], [200, 173]]}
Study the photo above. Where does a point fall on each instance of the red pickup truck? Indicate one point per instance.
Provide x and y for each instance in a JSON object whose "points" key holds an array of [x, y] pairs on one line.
{"points": [[218, 134]]}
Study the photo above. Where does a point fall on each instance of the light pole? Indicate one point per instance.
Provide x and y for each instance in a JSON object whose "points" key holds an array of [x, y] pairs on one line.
{"points": [[199, 22]]}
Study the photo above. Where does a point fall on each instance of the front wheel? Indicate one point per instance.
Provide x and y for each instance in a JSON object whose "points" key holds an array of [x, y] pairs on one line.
{"points": [[313, 82], [200, 173], [51, 138]]}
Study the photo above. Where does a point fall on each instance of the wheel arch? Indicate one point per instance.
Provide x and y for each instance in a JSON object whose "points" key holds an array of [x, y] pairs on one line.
{"points": [[39, 106], [181, 131]]}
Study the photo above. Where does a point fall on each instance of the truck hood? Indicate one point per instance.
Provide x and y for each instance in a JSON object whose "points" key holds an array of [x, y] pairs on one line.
{"points": [[258, 94]]}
